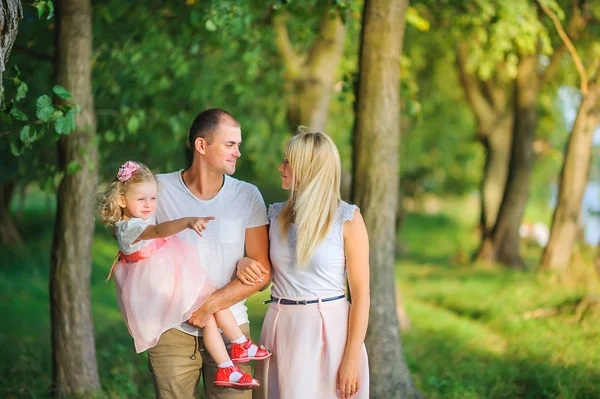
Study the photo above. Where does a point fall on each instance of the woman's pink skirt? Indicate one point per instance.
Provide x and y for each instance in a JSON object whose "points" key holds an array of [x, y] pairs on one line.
{"points": [[308, 343], [160, 292]]}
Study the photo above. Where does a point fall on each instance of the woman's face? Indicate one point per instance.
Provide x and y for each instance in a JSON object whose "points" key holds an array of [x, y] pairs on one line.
{"points": [[286, 174]]}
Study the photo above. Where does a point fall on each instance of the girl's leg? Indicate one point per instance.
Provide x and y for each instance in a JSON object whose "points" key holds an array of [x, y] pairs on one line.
{"points": [[228, 374], [226, 322], [242, 348], [214, 342]]}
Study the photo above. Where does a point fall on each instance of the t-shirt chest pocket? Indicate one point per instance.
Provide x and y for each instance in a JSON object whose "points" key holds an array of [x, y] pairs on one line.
{"points": [[231, 231]]}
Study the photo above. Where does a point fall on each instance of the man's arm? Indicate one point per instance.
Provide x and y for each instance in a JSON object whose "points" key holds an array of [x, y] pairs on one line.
{"points": [[257, 248]]}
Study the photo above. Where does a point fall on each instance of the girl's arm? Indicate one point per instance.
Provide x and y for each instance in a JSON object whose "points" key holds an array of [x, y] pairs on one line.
{"points": [[356, 247], [172, 227]]}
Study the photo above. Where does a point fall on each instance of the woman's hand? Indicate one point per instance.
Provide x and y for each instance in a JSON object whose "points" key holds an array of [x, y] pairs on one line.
{"points": [[250, 272], [199, 224], [348, 378]]}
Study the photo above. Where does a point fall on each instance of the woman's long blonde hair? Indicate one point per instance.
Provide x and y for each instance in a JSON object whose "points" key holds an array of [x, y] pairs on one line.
{"points": [[315, 193], [109, 209]]}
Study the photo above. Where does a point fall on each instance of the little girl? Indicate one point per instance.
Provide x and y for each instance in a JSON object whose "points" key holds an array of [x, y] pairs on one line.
{"points": [[158, 278]]}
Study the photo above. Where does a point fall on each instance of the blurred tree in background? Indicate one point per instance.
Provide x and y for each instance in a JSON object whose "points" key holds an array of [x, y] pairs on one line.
{"points": [[493, 105]]}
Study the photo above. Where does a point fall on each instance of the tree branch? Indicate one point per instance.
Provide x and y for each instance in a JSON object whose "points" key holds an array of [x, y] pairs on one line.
{"points": [[594, 70], [575, 25], [291, 60], [328, 44], [496, 90], [481, 107]]}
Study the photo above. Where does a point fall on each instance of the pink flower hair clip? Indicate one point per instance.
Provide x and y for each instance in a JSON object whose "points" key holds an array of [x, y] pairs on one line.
{"points": [[126, 170]]}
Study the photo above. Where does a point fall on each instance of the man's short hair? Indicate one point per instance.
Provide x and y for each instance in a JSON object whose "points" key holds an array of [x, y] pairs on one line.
{"points": [[206, 123]]}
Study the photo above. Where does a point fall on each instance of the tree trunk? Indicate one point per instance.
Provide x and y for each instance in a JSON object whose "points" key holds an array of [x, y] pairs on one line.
{"points": [[75, 371], [376, 184], [9, 234], [489, 102], [504, 243], [11, 13], [573, 180], [22, 198], [311, 81], [597, 260], [497, 144]]}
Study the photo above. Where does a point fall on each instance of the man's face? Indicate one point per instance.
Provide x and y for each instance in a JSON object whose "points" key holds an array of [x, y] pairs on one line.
{"points": [[224, 150]]}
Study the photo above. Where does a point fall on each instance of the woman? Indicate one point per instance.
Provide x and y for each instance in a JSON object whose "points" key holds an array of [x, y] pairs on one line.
{"points": [[316, 240]]}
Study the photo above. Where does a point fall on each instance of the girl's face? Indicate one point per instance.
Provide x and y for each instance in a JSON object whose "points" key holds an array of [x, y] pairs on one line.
{"points": [[286, 174], [139, 201]]}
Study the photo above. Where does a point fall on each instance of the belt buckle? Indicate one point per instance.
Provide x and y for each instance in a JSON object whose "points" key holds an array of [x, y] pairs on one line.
{"points": [[302, 302]]}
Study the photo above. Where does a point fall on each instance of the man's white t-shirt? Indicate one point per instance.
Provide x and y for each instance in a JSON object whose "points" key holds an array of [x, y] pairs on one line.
{"points": [[237, 206]]}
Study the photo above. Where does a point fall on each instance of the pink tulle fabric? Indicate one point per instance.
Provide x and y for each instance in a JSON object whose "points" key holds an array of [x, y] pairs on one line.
{"points": [[158, 288]]}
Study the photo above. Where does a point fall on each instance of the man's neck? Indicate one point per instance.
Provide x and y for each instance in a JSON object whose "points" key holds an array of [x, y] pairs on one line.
{"points": [[202, 183]]}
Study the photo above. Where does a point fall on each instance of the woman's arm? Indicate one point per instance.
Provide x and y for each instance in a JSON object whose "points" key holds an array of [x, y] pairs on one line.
{"points": [[172, 227], [356, 247]]}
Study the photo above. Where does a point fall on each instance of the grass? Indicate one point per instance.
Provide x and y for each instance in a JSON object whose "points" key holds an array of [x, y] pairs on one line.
{"points": [[469, 335]]}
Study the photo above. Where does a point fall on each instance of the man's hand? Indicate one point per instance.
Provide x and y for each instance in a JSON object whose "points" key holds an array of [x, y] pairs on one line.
{"points": [[201, 316], [250, 272]]}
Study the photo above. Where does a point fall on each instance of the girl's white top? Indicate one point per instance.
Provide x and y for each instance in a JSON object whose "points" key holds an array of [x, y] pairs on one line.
{"points": [[325, 274], [127, 231]]}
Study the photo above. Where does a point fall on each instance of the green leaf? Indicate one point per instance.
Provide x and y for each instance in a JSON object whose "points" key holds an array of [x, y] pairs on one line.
{"points": [[21, 91], [65, 124], [5, 116], [24, 135], [18, 114], [44, 107], [110, 136], [62, 92], [16, 148], [210, 26], [40, 5], [50, 5], [73, 167], [413, 18], [133, 124]]}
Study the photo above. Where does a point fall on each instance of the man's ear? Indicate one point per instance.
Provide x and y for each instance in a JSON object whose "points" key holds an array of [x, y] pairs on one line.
{"points": [[200, 145], [121, 201]]}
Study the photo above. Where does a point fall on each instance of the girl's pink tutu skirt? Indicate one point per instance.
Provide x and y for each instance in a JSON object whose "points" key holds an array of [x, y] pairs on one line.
{"points": [[158, 288]]}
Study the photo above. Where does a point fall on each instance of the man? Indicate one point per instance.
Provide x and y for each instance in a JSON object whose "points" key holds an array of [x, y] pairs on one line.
{"points": [[205, 188]]}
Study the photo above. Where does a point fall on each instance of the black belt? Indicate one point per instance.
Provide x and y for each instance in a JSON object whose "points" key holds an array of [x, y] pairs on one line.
{"points": [[284, 301]]}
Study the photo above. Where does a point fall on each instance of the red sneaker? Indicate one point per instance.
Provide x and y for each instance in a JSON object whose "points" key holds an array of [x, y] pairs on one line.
{"points": [[222, 379], [239, 352]]}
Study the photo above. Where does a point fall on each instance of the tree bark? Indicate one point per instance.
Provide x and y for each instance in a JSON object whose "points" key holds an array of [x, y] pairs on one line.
{"points": [[11, 13], [504, 243], [497, 145], [597, 260], [376, 184], [573, 180], [75, 370], [9, 234], [495, 119], [311, 77]]}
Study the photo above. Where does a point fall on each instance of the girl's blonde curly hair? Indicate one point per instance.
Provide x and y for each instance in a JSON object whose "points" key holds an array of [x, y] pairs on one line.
{"points": [[109, 209]]}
